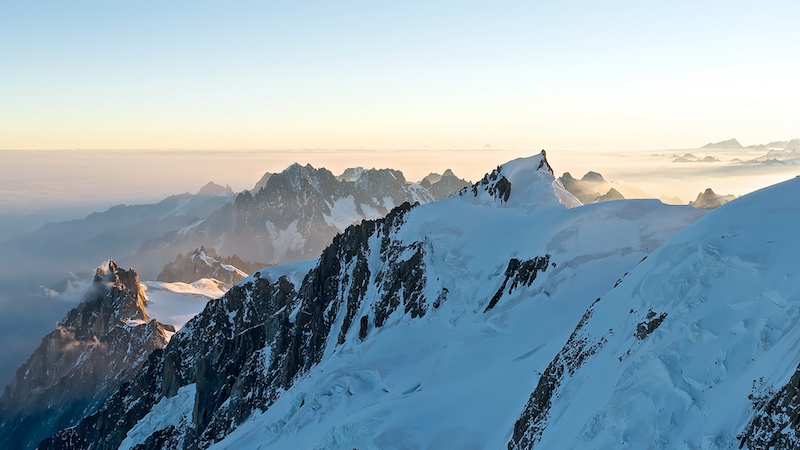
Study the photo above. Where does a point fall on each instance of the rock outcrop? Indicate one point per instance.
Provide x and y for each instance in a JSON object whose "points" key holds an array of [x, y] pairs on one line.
{"points": [[100, 344]]}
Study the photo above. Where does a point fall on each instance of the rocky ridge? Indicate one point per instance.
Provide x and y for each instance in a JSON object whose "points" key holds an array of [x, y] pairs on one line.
{"points": [[98, 346], [244, 355]]}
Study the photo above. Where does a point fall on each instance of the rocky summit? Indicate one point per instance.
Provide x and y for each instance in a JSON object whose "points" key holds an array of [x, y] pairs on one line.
{"points": [[97, 347]]}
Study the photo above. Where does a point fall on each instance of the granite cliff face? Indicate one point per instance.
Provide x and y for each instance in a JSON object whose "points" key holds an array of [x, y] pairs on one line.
{"points": [[98, 346]]}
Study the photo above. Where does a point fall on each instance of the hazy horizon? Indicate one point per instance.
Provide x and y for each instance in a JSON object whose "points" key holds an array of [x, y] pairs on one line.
{"points": [[52, 185]]}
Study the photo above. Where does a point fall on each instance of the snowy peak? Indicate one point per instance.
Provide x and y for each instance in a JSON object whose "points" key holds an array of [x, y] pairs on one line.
{"points": [[526, 183]]}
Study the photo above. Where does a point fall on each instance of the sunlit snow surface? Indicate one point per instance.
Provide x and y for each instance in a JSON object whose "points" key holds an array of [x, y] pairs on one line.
{"points": [[176, 303], [459, 377], [729, 286]]}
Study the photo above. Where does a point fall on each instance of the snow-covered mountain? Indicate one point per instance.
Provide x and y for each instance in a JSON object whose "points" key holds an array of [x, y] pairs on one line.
{"points": [[696, 348], [202, 263], [423, 329], [99, 345], [296, 213]]}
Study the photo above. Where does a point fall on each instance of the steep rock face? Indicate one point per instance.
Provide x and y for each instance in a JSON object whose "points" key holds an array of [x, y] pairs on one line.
{"points": [[391, 311], [297, 212], [695, 348], [203, 263], [99, 345]]}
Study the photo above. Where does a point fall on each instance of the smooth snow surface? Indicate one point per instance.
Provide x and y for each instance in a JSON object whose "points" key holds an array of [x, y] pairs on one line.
{"points": [[458, 377], [176, 303], [729, 287]]}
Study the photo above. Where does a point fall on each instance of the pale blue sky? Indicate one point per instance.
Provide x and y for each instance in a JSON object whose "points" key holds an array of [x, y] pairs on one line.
{"points": [[262, 75]]}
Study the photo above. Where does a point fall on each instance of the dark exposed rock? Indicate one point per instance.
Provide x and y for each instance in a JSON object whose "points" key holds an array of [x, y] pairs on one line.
{"points": [[533, 420], [362, 330], [519, 273], [99, 345], [647, 326], [776, 419], [494, 183], [250, 345]]}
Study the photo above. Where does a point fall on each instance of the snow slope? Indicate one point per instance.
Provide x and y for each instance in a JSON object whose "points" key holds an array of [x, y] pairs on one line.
{"points": [[679, 353], [458, 376], [176, 303]]}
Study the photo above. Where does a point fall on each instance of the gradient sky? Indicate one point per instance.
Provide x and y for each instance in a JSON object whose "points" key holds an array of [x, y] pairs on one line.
{"points": [[378, 74]]}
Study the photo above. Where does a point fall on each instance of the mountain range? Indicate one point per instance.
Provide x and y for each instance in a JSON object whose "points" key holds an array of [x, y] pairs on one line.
{"points": [[508, 315], [296, 213], [293, 216], [401, 322]]}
